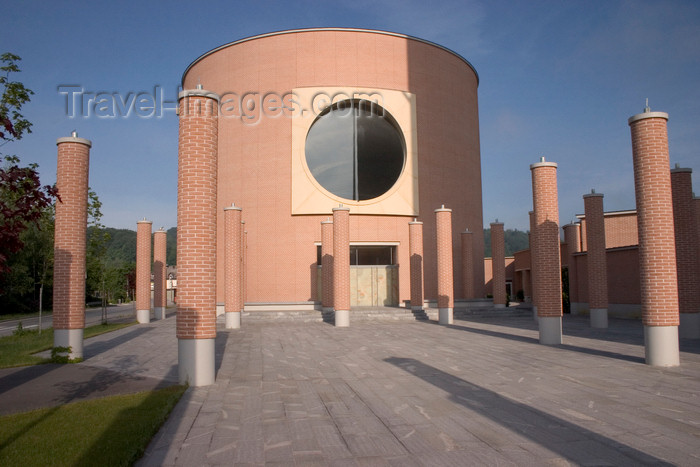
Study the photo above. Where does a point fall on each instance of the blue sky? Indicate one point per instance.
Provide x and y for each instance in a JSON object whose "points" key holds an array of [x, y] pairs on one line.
{"points": [[558, 79]]}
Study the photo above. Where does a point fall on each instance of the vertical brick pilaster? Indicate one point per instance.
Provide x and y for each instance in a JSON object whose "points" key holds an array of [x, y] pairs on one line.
{"points": [[159, 279], [572, 237], [445, 276], [327, 265], [498, 258], [244, 262], [596, 259], [687, 253], [657, 256], [415, 242], [196, 237], [467, 264], [232, 266], [341, 266], [546, 252], [70, 243], [143, 271]]}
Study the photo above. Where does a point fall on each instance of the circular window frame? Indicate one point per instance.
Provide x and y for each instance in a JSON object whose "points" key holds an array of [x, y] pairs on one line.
{"points": [[373, 110]]}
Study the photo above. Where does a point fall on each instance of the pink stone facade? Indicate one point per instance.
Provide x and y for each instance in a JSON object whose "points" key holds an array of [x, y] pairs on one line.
{"points": [[70, 233], [255, 151]]}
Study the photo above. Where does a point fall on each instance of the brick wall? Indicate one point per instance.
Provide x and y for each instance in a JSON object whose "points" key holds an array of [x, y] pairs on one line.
{"points": [[445, 278], [498, 263], [234, 259], [467, 265], [686, 237], [159, 263], [596, 259], [341, 258], [327, 264], [143, 265], [415, 240]]}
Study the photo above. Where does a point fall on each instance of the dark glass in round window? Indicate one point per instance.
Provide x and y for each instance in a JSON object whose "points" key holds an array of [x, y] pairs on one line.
{"points": [[355, 150]]}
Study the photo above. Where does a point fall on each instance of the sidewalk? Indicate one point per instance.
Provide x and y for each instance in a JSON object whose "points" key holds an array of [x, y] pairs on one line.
{"points": [[480, 392]]}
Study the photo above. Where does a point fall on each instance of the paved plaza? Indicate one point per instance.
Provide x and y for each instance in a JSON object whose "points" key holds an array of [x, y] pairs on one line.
{"points": [[480, 392]]}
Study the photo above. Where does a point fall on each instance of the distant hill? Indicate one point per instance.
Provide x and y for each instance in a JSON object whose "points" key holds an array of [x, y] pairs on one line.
{"points": [[514, 239], [121, 246]]}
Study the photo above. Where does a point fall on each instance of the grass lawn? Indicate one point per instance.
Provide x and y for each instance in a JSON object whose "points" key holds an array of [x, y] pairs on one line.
{"points": [[110, 431], [17, 350]]}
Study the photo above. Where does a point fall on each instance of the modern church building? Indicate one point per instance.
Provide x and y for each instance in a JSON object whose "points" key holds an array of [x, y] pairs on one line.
{"points": [[384, 124]]}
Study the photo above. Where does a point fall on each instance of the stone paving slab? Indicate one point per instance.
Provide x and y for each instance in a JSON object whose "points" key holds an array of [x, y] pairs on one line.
{"points": [[479, 392]]}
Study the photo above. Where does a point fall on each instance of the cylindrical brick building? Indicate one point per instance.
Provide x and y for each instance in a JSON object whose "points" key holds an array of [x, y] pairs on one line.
{"points": [[341, 266], [445, 269], [143, 271], [70, 243], [545, 254], [657, 253], [232, 273], [327, 265], [160, 240], [284, 96], [467, 265], [197, 235], [498, 264], [596, 259], [415, 239]]}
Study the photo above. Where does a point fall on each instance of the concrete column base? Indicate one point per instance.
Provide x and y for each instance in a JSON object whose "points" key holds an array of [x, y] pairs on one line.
{"points": [[550, 330], [159, 313], [233, 320], [143, 316], [342, 318], [445, 315], [661, 346], [534, 314], [690, 325], [72, 338], [196, 365], [416, 308], [499, 305], [599, 318], [220, 309]]}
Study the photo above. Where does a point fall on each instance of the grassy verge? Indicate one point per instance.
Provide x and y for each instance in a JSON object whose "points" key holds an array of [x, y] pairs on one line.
{"points": [[108, 431], [17, 350]]}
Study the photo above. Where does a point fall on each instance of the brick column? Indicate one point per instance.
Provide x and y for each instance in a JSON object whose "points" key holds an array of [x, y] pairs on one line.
{"points": [[572, 237], [467, 264], [546, 253], [445, 286], [415, 246], [525, 279], [696, 215], [687, 253], [596, 259], [232, 266], [143, 271], [196, 236], [327, 265], [498, 261], [657, 255], [244, 261], [70, 243], [341, 266], [533, 275], [159, 264]]}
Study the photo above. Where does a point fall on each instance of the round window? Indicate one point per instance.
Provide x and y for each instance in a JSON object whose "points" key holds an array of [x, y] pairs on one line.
{"points": [[356, 150]]}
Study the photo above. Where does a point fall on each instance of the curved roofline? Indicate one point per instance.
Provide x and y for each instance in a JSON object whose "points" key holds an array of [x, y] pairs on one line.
{"points": [[293, 31]]}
